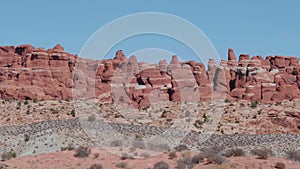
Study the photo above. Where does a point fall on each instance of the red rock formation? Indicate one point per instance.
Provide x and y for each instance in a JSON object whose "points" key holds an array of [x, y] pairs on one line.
{"points": [[244, 57], [174, 60], [35, 73], [231, 55], [120, 55]]}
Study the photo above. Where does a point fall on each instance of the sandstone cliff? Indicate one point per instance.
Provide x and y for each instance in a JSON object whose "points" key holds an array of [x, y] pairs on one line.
{"points": [[27, 72]]}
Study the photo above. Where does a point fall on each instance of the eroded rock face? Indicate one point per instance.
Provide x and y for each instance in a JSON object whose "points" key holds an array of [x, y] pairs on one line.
{"points": [[27, 72], [34, 73], [231, 55]]}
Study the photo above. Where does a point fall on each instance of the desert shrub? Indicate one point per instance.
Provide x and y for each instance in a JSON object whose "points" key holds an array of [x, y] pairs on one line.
{"points": [[212, 150], [3, 166], [96, 166], [205, 117], [125, 156], [145, 155], [222, 166], [25, 102], [91, 118], [8, 155], [54, 111], [121, 165], [26, 137], [161, 165], [172, 155], [180, 148], [261, 153], [164, 114], [138, 143], [82, 152], [212, 154], [234, 152], [198, 123], [216, 158], [254, 104], [186, 163], [27, 111], [73, 113], [96, 155], [132, 149], [198, 158], [293, 155], [69, 147], [115, 143], [158, 147], [279, 165]]}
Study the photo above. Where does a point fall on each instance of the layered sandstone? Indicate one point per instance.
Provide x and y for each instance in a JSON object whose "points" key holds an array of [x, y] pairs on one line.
{"points": [[33, 73]]}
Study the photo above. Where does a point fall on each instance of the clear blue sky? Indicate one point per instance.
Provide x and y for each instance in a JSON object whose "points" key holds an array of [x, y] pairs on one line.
{"points": [[265, 27]]}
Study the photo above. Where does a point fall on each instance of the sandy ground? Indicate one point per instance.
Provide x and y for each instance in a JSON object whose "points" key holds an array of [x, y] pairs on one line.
{"points": [[66, 160]]}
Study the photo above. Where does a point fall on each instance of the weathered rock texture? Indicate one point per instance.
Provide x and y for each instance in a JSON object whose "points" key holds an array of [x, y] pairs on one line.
{"points": [[27, 72]]}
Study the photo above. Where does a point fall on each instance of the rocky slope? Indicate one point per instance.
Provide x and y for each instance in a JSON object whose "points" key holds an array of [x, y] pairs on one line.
{"points": [[35, 73]]}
